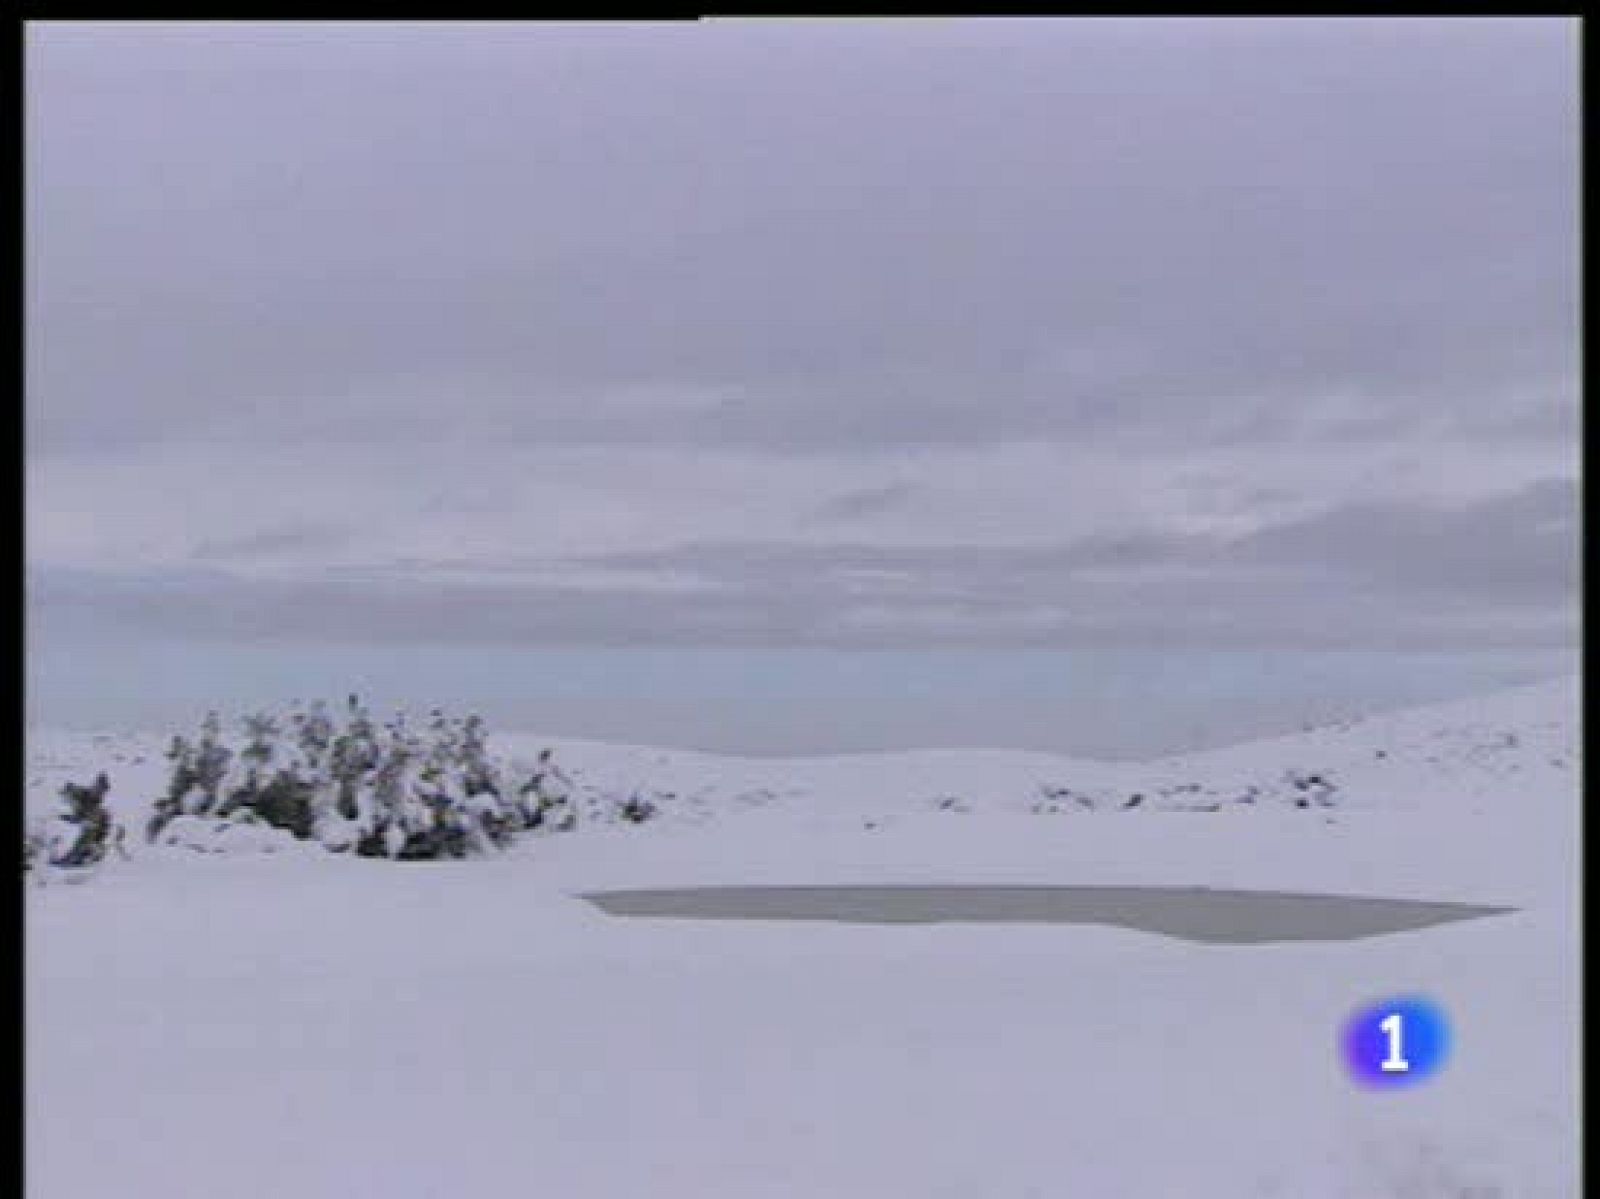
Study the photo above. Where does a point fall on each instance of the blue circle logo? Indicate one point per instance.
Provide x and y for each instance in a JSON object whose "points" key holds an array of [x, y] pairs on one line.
{"points": [[1396, 1043]]}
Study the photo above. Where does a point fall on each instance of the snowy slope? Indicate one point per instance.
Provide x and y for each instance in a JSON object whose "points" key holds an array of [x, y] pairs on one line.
{"points": [[313, 1026], [1473, 752], [1469, 749]]}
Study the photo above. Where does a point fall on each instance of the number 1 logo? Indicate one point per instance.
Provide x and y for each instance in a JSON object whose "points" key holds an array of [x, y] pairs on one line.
{"points": [[1395, 1043]]}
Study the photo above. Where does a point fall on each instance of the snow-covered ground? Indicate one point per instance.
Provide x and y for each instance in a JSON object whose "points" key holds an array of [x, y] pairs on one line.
{"points": [[300, 1024]]}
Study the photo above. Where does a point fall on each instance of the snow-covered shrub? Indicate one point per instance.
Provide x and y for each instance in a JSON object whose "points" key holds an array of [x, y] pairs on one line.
{"points": [[437, 795], [388, 792], [1310, 788], [1054, 799], [280, 784], [80, 833], [198, 771], [636, 809], [545, 799], [35, 848]]}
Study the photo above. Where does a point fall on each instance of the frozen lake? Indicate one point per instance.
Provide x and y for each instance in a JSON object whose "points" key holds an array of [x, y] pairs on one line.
{"points": [[1190, 913]]}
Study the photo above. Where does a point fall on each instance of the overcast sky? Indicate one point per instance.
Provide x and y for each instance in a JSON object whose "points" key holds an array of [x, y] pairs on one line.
{"points": [[1081, 336]]}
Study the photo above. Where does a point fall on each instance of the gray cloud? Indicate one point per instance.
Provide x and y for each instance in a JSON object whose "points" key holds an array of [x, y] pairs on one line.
{"points": [[1500, 572], [1524, 546], [421, 263], [273, 541], [869, 235], [862, 502], [1521, 545]]}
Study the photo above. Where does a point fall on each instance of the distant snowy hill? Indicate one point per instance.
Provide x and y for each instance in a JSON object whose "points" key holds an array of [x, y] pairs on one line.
{"points": [[1468, 752], [1462, 754]]}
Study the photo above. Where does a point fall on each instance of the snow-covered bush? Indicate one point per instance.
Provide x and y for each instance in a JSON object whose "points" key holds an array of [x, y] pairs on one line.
{"points": [[198, 771], [1310, 788], [80, 833], [389, 791], [545, 799], [636, 809]]}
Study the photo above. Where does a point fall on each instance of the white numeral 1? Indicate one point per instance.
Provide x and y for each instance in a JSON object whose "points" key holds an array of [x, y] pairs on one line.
{"points": [[1395, 1063]]}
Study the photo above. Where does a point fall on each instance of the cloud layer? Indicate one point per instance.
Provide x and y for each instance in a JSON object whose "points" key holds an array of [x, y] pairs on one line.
{"points": [[881, 333]]}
